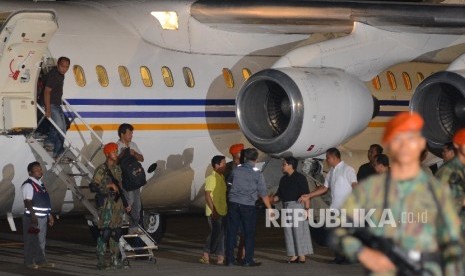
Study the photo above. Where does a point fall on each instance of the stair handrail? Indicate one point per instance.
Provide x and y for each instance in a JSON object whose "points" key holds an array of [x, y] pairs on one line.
{"points": [[89, 163], [92, 131]]}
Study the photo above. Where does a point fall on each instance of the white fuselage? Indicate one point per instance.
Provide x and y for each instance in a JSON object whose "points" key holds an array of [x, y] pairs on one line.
{"points": [[179, 127]]}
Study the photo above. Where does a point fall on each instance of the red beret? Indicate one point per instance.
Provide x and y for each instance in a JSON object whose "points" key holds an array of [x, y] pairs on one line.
{"points": [[109, 148], [236, 148], [402, 122], [459, 137]]}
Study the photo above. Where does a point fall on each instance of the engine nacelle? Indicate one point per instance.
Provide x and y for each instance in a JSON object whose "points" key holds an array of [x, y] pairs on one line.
{"points": [[440, 99], [302, 111]]}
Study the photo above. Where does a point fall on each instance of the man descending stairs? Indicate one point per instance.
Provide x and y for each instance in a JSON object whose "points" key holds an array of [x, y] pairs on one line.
{"points": [[70, 167]]}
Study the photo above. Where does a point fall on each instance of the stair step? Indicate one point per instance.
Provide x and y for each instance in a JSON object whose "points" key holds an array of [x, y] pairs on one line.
{"points": [[77, 174]]}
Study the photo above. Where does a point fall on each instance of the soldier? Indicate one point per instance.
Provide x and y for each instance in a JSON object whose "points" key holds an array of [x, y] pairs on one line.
{"points": [[453, 174], [235, 151], [111, 204], [433, 233]]}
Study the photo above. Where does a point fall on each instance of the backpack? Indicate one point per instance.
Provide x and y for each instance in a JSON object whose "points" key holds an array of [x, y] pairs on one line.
{"points": [[133, 173]]}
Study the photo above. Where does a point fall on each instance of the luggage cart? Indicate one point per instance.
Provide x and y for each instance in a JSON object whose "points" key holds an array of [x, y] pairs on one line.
{"points": [[137, 245]]}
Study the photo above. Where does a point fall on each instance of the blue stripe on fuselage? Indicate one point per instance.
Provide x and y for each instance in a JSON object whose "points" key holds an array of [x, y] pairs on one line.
{"points": [[185, 102], [393, 103], [176, 102], [180, 102], [172, 114]]}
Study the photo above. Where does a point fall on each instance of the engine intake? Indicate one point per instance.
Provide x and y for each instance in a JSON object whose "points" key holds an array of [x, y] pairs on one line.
{"points": [[302, 111], [440, 99]]}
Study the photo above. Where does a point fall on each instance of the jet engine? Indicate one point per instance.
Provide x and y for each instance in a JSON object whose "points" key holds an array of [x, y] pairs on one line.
{"points": [[303, 111], [440, 99]]}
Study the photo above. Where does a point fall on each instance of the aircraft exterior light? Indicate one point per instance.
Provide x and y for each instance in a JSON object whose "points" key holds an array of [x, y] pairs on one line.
{"points": [[167, 19]]}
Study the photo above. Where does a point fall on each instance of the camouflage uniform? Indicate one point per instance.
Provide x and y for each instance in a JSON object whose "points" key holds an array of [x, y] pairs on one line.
{"points": [[409, 197], [110, 215], [453, 174]]}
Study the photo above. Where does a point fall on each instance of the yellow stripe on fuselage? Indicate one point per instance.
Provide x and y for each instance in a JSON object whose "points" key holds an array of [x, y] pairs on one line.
{"points": [[377, 124], [139, 127]]}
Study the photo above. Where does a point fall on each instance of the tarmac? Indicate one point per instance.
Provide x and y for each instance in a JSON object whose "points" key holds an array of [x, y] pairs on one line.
{"points": [[71, 247]]}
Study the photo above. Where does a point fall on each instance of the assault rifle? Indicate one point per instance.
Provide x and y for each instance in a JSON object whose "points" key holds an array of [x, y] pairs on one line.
{"points": [[408, 263]]}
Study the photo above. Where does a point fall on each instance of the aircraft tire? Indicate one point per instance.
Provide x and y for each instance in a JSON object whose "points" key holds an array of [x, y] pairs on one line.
{"points": [[155, 224]]}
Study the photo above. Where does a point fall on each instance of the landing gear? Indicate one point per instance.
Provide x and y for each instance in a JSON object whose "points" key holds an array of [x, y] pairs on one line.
{"points": [[154, 224], [126, 263]]}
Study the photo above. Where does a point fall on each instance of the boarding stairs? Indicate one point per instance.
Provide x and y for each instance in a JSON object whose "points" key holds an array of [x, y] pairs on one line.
{"points": [[76, 174]]}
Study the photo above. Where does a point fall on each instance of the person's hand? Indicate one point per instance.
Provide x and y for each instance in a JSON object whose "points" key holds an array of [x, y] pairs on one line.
{"points": [[304, 198], [48, 113], [128, 209], [375, 261], [271, 214], [34, 221], [113, 187], [51, 220], [215, 214], [273, 199], [132, 152]]}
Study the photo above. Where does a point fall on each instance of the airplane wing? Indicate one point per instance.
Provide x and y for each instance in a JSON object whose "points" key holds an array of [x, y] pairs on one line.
{"points": [[306, 17]]}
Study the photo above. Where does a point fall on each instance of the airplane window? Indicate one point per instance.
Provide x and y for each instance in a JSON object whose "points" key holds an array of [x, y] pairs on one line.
{"points": [[407, 81], [79, 75], [124, 76], [167, 76], [146, 76], [102, 75], [246, 73], [188, 77], [392, 80], [228, 78], [376, 83], [420, 77]]}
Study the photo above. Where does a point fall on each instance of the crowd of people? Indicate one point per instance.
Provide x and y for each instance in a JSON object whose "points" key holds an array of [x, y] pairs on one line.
{"points": [[397, 182]]}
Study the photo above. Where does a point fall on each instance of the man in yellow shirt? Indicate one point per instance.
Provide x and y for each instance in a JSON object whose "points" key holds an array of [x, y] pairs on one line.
{"points": [[215, 210]]}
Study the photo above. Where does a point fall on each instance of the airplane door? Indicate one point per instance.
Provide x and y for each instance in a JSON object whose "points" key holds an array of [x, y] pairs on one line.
{"points": [[24, 38]]}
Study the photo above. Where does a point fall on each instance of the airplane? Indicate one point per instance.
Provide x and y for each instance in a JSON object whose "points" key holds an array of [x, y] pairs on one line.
{"points": [[194, 77]]}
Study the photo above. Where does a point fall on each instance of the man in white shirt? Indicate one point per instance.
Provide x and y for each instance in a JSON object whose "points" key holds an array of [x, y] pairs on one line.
{"points": [[125, 132], [341, 178]]}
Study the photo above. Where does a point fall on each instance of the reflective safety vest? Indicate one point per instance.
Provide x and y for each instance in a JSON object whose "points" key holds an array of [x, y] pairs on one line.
{"points": [[40, 200]]}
